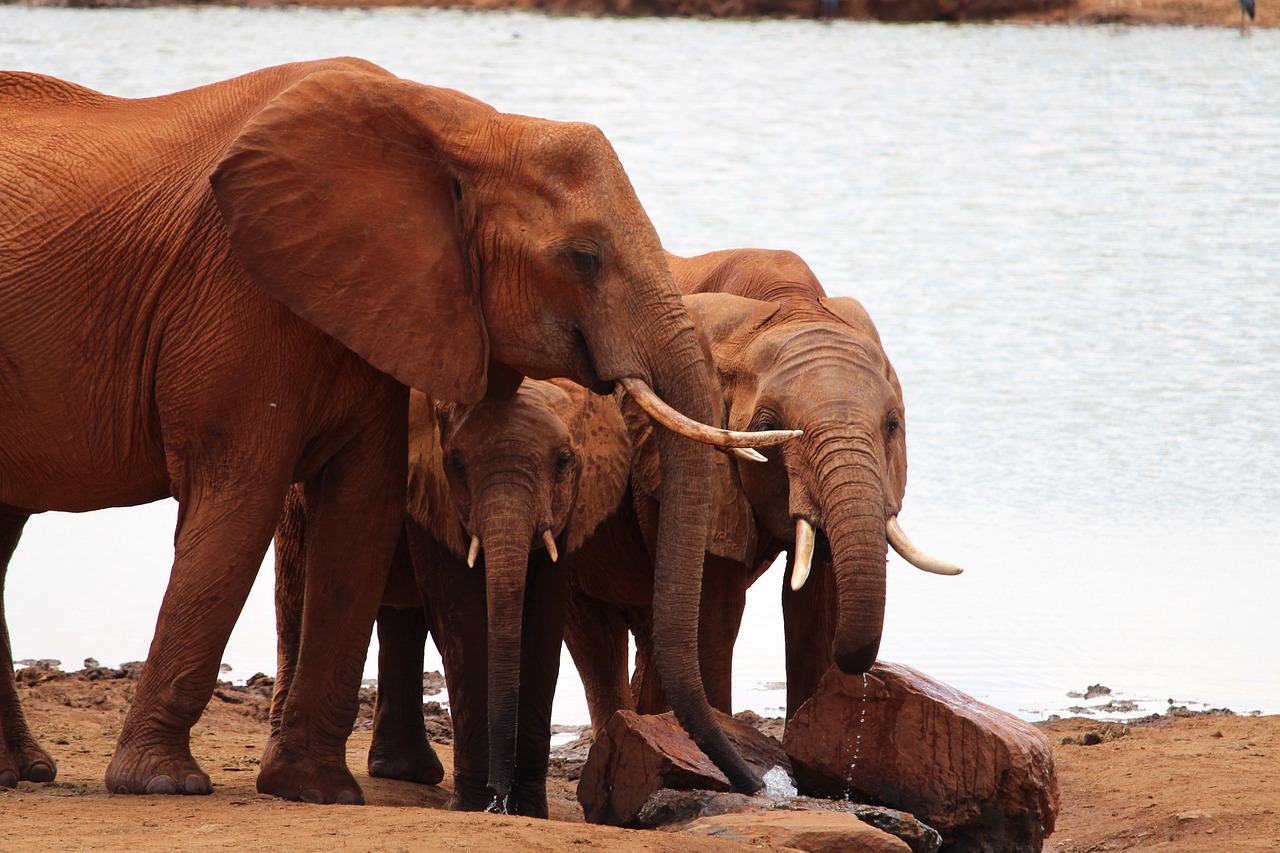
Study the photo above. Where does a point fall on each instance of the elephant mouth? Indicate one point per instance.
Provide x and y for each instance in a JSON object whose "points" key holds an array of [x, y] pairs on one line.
{"points": [[584, 368]]}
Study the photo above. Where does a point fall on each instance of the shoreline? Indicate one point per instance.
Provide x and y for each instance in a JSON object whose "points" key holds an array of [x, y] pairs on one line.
{"points": [[1181, 13], [1193, 784]]}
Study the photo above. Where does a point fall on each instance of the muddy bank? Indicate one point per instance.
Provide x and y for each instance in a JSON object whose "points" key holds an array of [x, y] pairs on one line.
{"points": [[1203, 783]]}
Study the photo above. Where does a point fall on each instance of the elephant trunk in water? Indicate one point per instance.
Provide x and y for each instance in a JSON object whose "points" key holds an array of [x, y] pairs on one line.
{"points": [[508, 526], [680, 378]]}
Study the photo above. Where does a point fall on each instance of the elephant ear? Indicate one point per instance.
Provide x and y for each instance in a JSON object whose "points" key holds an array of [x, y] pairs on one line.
{"points": [[340, 198], [604, 449]]}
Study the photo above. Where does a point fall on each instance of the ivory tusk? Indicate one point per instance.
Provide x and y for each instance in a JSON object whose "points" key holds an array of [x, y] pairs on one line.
{"points": [[689, 428], [550, 542], [802, 554], [749, 453], [473, 552], [908, 551]]}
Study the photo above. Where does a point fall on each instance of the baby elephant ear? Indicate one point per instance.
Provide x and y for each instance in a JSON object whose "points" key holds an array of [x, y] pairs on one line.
{"points": [[605, 450], [339, 201]]}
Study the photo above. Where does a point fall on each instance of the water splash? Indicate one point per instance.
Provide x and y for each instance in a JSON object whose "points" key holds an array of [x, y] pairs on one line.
{"points": [[778, 784]]}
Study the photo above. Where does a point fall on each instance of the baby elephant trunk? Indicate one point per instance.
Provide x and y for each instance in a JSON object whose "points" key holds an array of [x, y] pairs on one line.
{"points": [[506, 541]]}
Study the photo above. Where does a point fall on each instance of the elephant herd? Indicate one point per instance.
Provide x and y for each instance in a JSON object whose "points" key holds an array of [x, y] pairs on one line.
{"points": [[439, 353]]}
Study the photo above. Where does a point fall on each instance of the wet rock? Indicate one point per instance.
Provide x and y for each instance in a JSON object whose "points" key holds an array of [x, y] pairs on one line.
{"points": [[674, 809], [636, 755], [812, 831], [981, 777]]}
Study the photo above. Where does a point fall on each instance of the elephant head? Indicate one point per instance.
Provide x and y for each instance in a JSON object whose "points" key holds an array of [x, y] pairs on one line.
{"points": [[798, 359]]}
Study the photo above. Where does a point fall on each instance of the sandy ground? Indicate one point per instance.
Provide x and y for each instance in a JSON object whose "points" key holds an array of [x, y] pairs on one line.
{"points": [[1203, 784]]}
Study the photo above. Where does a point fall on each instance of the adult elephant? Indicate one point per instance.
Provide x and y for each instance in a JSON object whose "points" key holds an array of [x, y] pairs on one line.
{"points": [[493, 502], [220, 292], [786, 355]]}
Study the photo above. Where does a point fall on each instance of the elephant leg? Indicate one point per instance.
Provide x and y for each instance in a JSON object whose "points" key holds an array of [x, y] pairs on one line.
{"points": [[400, 749], [21, 758], [646, 685], [223, 530], [354, 509], [543, 630], [460, 624], [290, 593], [724, 598], [809, 625], [596, 634]]}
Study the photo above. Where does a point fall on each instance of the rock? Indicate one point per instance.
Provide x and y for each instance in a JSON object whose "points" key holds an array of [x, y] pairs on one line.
{"points": [[671, 809], [919, 837], [636, 755], [981, 777], [812, 831]]}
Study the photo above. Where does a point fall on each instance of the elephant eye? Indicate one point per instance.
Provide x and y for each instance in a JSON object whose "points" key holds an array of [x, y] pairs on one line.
{"points": [[892, 424], [584, 263], [764, 422], [458, 463], [564, 461]]}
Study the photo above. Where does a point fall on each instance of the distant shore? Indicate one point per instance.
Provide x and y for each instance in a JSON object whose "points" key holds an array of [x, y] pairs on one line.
{"points": [[1195, 13]]}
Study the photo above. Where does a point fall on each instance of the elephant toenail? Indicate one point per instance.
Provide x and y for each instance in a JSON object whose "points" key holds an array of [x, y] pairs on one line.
{"points": [[8, 779], [39, 773], [311, 795], [196, 785], [161, 785], [346, 798]]}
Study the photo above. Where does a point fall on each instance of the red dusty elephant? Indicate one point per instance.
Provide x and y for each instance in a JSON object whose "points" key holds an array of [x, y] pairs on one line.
{"points": [[785, 355], [217, 293], [493, 501]]}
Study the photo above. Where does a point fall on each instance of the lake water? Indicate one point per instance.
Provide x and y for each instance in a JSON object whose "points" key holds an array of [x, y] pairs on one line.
{"points": [[1066, 235]]}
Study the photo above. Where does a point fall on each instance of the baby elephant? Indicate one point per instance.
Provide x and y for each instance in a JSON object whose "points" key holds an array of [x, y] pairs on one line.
{"points": [[493, 500]]}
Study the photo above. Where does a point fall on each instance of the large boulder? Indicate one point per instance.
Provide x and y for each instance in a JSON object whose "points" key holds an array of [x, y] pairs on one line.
{"points": [[638, 754], [981, 777]]}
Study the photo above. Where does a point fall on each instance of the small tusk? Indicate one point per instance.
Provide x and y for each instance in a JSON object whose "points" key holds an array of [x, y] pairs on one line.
{"points": [[661, 412], [802, 555], [474, 552], [550, 542], [749, 453], [908, 551]]}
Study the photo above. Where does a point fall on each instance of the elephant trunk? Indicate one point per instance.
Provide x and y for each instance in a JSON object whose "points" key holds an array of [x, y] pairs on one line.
{"points": [[680, 377], [507, 532], [853, 508]]}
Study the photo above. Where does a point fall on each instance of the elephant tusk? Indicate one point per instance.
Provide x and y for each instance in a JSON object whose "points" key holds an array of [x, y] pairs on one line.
{"points": [[550, 542], [802, 554], [749, 453], [908, 551], [689, 428], [473, 552]]}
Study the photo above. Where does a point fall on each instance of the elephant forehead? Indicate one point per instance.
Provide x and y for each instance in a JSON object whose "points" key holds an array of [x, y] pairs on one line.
{"points": [[814, 351], [532, 418]]}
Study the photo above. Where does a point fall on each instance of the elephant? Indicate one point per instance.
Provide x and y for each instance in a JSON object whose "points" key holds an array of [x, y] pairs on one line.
{"points": [[214, 294], [493, 502], [784, 354]]}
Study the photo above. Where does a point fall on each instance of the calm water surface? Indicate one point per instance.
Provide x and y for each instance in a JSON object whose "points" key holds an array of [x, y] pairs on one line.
{"points": [[1066, 236]]}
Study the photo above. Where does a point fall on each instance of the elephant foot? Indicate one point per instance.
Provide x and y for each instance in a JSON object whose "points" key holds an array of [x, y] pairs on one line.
{"points": [[415, 762], [26, 763], [304, 777], [528, 799], [135, 771]]}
